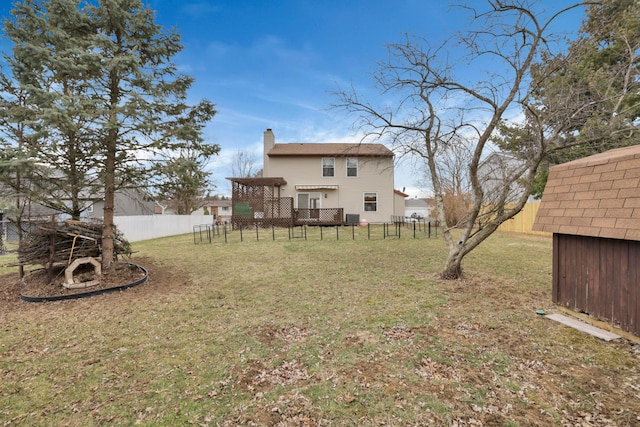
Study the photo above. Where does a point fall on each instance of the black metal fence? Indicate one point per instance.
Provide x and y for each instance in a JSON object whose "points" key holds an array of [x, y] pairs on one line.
{"points": [[210, 233]]}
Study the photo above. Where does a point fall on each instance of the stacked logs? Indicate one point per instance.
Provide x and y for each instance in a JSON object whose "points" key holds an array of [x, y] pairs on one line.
{"points": [[50, 243]]}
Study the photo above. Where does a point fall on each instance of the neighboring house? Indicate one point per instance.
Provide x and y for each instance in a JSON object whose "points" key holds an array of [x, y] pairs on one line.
{"points": [[419, 208], [398, 205], [343, 181], [496, 170], [219, 209], [128, 202], [592, 207], [37, 212]]}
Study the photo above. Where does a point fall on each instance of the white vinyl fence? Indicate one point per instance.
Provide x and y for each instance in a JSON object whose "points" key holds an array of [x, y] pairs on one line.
{"points": [[145, 227]]}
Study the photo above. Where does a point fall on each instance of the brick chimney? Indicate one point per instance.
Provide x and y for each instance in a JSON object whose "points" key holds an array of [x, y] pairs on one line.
{"points": [[269, 142]]}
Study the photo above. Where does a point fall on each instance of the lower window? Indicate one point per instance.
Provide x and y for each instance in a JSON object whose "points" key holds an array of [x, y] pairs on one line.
{"points": [[371, 202]]}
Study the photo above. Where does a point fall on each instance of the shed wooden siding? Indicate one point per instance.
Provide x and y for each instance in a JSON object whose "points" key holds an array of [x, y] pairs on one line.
{"points": [[598, 277]]}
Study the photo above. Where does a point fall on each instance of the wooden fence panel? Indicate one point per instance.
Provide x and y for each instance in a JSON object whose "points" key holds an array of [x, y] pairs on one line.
{"points": [[523, 221]]}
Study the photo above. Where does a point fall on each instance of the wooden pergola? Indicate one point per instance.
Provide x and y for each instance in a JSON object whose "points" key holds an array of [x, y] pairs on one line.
{"points": [[259, 202]]}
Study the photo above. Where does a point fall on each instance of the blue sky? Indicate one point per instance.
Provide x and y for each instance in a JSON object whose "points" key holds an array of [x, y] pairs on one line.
{"points": [[274, 63]]}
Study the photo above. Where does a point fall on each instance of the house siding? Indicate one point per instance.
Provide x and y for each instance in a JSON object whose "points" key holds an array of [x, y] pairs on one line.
{"points": [[399, 204], [126, 202], [375, 174]]}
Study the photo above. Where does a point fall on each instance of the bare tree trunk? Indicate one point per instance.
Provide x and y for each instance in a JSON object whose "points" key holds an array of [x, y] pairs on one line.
{"points": [[453, 266]]}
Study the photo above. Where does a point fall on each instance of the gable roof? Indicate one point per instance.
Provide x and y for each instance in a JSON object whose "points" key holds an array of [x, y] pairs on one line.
{"points": [[597, 196], [218, 203], [330, 150]]}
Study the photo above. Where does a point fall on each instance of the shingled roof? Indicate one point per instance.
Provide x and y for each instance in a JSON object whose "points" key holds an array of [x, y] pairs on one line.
{"points": [[597, 196], [260, 181], [330, 149]]}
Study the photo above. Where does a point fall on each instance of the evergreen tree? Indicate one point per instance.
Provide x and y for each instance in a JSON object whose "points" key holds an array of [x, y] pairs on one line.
{"points": [[143, 97], [52, 65], [588, 97], [105, 95], [18, 169], [182, 180]]}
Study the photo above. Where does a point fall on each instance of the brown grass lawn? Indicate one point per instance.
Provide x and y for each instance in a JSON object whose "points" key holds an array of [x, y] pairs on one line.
{"points": [[314, 333]]}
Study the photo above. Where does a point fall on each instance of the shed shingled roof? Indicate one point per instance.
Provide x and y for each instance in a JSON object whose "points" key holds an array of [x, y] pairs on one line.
{"points": [[597, 196], [330, 149]]}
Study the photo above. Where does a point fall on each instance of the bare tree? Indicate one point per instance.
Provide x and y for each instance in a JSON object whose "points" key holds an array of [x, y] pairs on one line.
{"points": [[454, 180], [244, 165], [439, 110]]}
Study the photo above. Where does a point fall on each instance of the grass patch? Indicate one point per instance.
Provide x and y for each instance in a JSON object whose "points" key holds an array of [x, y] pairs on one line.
{"points": [[339, 332]]}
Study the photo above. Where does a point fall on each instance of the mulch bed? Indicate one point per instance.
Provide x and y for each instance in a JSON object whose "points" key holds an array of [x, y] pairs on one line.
{"points": [[162, 280], [37, 284]]}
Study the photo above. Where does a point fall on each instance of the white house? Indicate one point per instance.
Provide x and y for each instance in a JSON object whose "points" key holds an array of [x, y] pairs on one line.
{"points": [[332, 183], [419, 208]]}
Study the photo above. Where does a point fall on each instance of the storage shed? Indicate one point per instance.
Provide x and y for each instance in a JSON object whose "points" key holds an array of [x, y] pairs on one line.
{"points": [[592, 207]]}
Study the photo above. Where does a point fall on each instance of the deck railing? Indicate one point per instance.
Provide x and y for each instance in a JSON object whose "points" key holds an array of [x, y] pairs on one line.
{"points": [[327, 216]]}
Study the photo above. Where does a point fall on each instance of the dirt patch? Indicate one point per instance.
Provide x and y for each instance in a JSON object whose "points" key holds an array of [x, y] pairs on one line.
{"points": [[269, 334], [290, 410], [257, 377], [397, 332]]}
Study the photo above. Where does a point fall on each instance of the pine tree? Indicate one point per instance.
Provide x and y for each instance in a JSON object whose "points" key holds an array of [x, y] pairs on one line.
{"points": [[100, 79], [143, 97], [590, 95], [52, 65]]}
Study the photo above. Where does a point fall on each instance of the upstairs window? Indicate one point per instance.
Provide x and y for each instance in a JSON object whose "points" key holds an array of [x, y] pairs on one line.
{"points": [[370, 202], [328, 166], [352, 166]]}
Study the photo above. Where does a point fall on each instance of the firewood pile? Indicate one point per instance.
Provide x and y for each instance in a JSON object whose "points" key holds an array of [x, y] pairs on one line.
{"points": [[50, 243]]}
